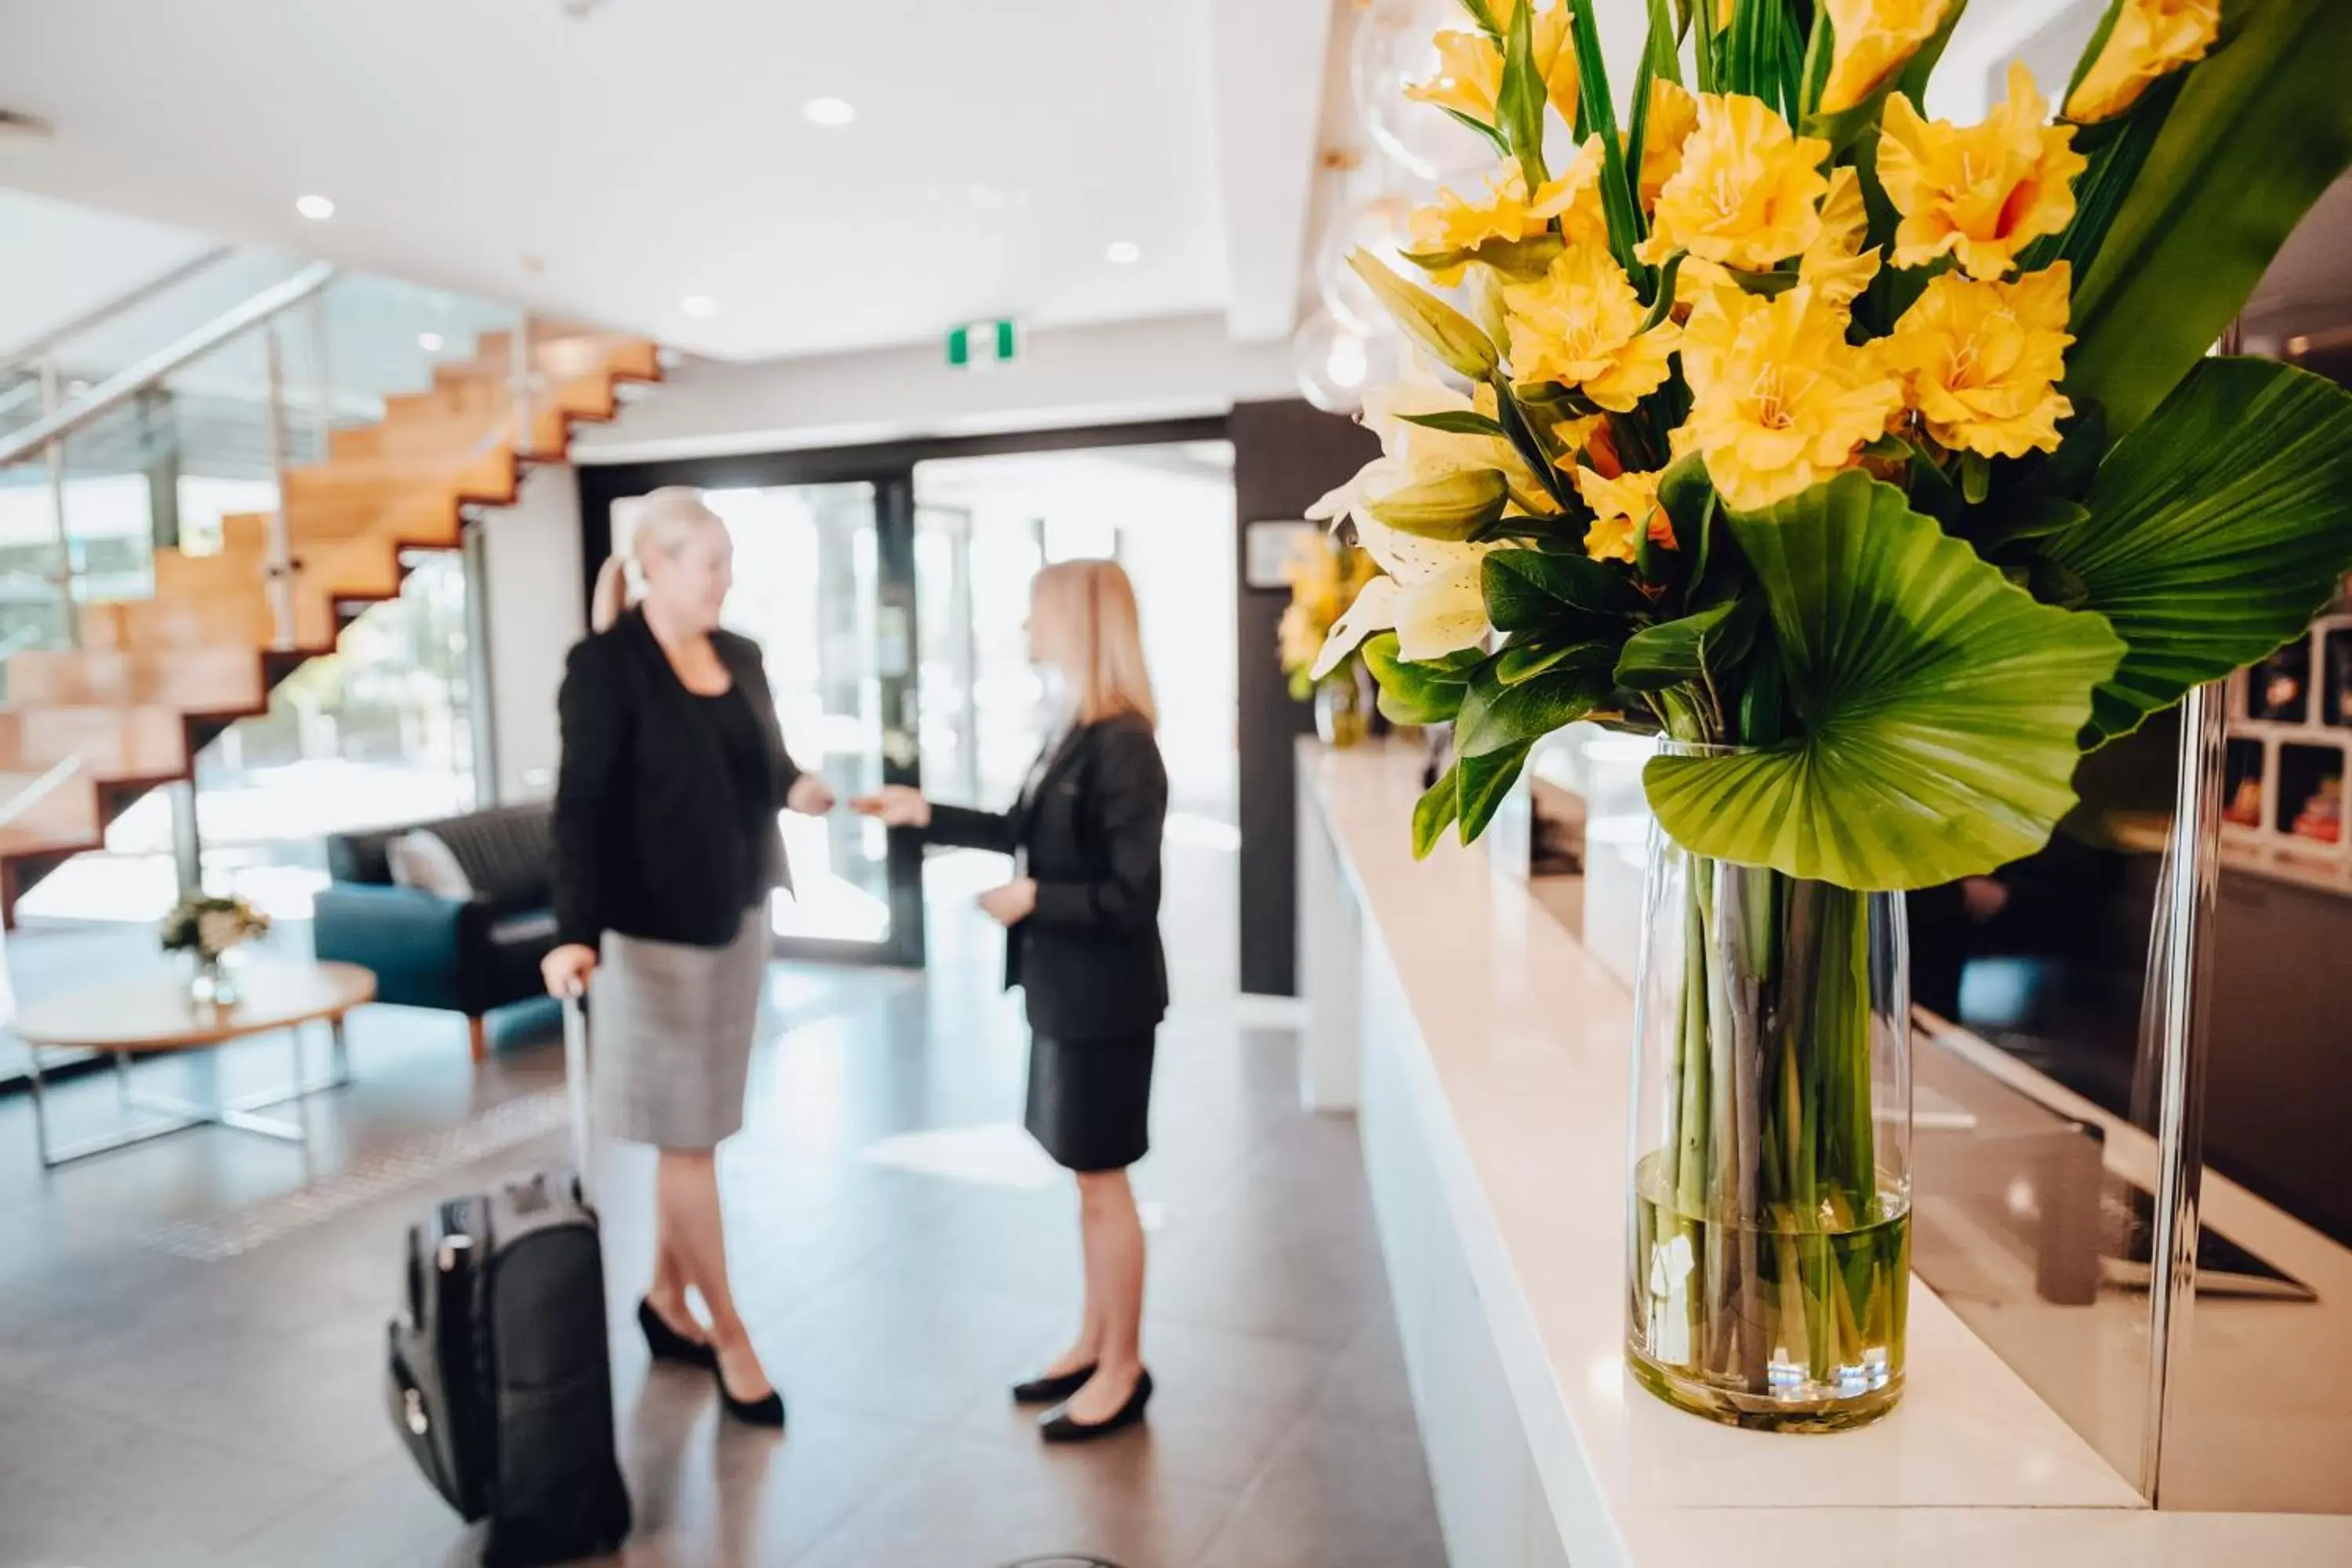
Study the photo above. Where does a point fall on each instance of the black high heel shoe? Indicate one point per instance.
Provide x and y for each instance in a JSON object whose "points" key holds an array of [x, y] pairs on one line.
{"points": [[1052, 1388], [1058, 1428], [668, 1344], [766, 1411]]}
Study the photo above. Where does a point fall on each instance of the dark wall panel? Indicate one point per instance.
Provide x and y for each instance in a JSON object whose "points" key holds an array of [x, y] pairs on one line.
{"points": [[1286, 456]]}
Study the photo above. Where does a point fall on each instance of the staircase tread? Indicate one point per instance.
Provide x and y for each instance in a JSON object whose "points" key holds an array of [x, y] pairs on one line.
{"points": [[125, 708]]}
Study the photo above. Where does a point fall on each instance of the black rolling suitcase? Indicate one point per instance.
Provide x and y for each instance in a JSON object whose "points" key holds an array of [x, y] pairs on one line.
{"points": [[499, 1375]]}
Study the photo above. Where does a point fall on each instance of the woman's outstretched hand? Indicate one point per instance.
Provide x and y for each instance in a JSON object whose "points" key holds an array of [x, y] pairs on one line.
{"points": [[1010, 904], [566, 969], [810, 795], [895, 805]]}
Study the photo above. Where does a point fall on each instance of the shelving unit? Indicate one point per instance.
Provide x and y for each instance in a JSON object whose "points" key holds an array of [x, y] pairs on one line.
{"points": [[2290, 755]]}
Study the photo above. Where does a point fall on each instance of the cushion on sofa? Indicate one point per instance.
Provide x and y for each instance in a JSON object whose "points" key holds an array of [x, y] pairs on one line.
{"points": [[422, 858]]}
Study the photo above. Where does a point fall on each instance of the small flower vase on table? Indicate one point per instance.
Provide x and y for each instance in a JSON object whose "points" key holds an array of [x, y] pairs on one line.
{"points": [[212, 983], [206, 928]]}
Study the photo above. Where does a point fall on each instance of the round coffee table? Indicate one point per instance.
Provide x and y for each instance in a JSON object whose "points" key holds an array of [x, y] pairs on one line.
{"points": [[155, 1015]]}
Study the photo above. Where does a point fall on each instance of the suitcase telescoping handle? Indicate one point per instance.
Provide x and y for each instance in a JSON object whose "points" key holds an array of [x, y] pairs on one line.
{"points": [[575, 1086]]}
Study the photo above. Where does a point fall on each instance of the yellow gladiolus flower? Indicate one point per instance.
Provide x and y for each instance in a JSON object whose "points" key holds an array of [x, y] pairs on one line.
{"points": [[1623, 509], [1874, 39], [1980, 360], [1673, 115], [1509, 212], [1580, 323], [2151, 38], [1839, 263], [1981, 192], [1469, 79], [1780, 400], [1747, 192]]}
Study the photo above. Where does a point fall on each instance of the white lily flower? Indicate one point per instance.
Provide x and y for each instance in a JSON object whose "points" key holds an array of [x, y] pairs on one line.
{"points": [[1429, 594]]}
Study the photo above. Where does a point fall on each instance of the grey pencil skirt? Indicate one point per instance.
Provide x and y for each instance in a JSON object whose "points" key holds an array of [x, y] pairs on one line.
{"points": [[670, 1034]]}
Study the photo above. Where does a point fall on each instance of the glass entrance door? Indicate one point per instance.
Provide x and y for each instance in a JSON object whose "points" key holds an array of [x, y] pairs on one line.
{"points": [[825, 584]]}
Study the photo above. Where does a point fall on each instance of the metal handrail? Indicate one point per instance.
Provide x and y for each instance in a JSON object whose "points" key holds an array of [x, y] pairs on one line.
{"points": [[39, 790], [170, 278], [125, 384]]}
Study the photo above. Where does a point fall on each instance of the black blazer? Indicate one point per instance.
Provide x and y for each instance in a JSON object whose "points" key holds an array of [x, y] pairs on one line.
{"points": [[648, 841], [1089, 957]]}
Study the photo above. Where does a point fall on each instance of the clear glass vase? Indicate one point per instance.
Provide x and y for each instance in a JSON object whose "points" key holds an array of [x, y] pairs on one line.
{"points": [[1770, 1241], [1343, 706]]}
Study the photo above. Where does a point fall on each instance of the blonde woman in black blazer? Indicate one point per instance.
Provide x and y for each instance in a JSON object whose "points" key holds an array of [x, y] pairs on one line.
{"points": [[666, 849], [1082, 939]]}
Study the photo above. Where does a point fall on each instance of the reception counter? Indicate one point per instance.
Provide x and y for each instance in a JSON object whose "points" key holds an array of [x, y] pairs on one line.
{"points": [[1486, 1054]]}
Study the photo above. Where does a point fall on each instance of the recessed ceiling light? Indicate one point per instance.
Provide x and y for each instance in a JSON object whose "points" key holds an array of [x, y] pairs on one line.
{"points": [[699, 306], [1124, 252], [318, 209], [827, 111], [429, 342]]}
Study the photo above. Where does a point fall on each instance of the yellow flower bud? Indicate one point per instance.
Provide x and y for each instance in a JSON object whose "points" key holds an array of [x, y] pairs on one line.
{"points": [[2151, 38], [1874, 39]]}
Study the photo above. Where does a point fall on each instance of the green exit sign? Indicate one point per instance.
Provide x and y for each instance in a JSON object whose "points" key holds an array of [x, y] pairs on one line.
{"points": [[978, 345]]}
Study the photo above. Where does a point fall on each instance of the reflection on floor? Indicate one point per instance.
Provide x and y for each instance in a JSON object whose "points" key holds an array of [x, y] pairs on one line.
{"points": [[897, 1257]]}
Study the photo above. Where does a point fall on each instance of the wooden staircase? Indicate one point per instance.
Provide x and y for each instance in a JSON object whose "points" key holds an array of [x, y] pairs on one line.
{"points": [[87, 730]]}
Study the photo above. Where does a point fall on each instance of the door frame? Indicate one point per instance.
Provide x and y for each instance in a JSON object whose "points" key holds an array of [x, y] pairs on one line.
{"points": [[889, 468]]}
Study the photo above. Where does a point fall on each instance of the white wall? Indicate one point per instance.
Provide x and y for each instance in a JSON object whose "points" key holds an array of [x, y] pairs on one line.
{"points": [[1181, 365], [57, 262], [531, 552]]}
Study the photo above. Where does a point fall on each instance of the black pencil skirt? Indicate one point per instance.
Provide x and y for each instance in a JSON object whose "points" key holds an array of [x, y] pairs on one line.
{"points": [[1090, 1100]]}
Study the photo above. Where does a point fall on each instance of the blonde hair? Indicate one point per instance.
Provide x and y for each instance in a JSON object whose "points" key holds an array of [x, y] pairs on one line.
{"points": [[1092, 604], [666, 520]]}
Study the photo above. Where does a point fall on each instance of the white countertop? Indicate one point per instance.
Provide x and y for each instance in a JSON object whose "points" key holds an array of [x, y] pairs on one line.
{"points": [[1522, 1083]]}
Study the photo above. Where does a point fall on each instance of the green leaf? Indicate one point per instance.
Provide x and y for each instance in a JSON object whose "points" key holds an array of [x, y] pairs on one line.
{"points": [[2259, 130], [1935, 707], [1484, 17], [1536, 447], [1519, 101], [1688, 497], [1482, 128], [1847, 126], [2217, 529], [1522, 260], [1536, 591], [1627, 228], [1669, 273], [1495, 716], [1436, 811], [1417, 692], [1690, 650], [1765, 285], [1524, 661], [1428, 320], [1455, 422], [2026, 518], [1486, 780], [1454, 508]]}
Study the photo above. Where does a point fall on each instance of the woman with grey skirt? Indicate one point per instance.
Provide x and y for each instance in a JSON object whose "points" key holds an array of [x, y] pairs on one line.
{"points": [[666, 849]]}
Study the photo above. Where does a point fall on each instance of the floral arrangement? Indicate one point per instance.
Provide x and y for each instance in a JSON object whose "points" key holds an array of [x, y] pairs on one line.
{"points": [[1326, 576], [1878, 464], [1789, 419], [210, 924]]}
